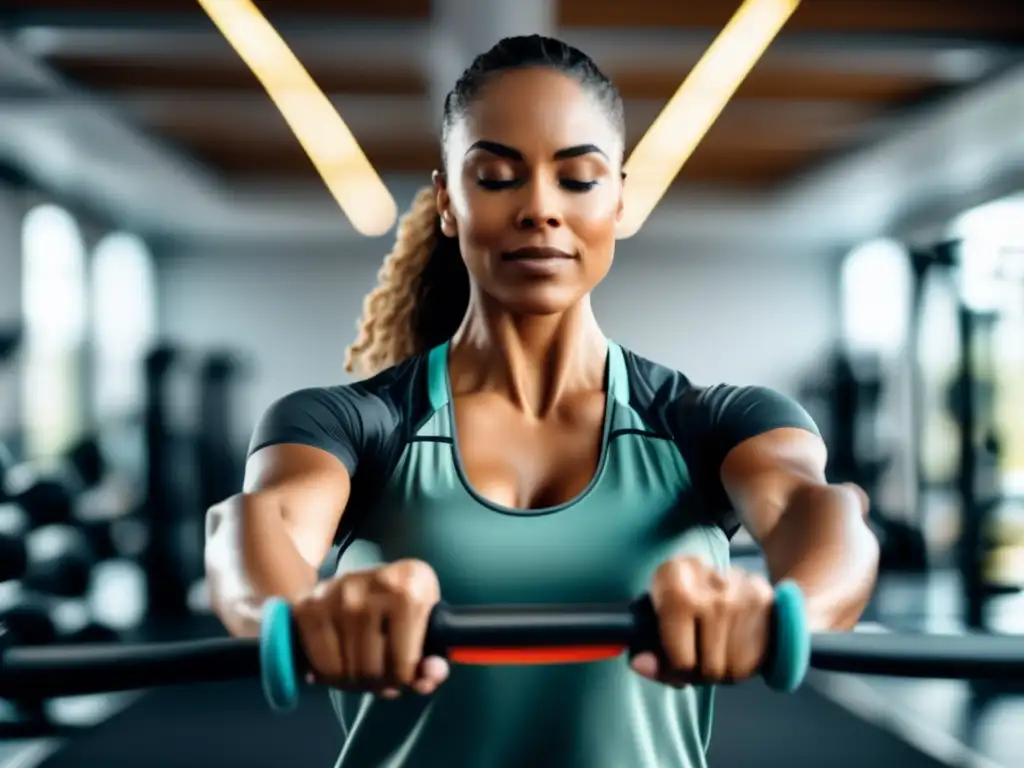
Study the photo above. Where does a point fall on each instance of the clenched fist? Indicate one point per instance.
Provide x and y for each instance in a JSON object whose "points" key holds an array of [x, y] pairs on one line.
{"points": [[364, 631], [713, 626]]}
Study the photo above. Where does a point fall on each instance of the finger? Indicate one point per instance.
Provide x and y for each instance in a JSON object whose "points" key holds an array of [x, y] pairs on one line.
{"points": [[744, 655], [862, 497], [407, 632], [646, 665], [713, 627], [319, 643], [749, 636], [352, 631], [672, 588], [678, 633], [432, 672], [351, 625], [371, 643]]}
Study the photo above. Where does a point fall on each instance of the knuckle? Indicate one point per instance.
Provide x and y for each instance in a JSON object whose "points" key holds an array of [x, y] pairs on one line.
{"points": [[351, 594], [673, 570], [411, 581], [672, 583], [761, 591]]}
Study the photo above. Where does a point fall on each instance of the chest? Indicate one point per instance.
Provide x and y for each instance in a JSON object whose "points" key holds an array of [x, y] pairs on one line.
{"points": [[636, 508], [528, 463]]}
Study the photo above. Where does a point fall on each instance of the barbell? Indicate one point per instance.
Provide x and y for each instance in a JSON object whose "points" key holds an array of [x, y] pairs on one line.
{"points": [[500, 635]]}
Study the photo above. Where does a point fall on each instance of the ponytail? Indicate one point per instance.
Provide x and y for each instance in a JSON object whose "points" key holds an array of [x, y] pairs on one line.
{"points": [[421, 296]]}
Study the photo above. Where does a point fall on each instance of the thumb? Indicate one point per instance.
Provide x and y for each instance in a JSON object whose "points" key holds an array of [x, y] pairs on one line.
{"points": [[862, 496]]}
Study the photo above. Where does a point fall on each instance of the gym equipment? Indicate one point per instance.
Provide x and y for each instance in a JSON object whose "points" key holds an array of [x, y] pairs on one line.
{"points": [[13, 557], [49, 497], [472, 636], [11, 337], [54, 560], [501, 635], [220, 472], [59, 561], [47, 500], [163, 560], [29, 624], [123, 536], [6, 462], [969, 401], [849, 393]]}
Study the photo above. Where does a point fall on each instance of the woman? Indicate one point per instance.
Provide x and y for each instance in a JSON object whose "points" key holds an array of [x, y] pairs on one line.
{"points": [[505, 451]]}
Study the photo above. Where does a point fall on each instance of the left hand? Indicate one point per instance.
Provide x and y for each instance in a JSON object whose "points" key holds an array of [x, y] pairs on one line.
{"points": [[713, 626]]}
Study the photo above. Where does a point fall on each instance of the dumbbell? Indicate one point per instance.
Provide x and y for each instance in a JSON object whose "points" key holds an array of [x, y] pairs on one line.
{"points": [[46, 500], [13, 557], [52, 560], [49, 497]]}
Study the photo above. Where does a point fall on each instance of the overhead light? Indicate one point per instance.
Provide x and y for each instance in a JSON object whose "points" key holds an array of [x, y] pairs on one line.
{"points": [[315, 122], [682, 124]]}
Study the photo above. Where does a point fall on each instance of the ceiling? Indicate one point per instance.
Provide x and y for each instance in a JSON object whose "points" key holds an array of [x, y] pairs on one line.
{"points": [[838, 73], [842, 75]]}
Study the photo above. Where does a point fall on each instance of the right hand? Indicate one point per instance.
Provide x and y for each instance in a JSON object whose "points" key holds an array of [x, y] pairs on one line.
{"points": [[365, 630]]}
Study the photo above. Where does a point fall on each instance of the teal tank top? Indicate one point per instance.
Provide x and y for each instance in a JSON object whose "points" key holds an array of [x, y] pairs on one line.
{"points": [[655, 495]]}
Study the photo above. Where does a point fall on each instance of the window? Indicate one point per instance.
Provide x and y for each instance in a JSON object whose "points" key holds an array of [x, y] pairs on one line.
{"points": [[876, 285], [991, 270], [991, 276], [124, 324], [54, 307]]}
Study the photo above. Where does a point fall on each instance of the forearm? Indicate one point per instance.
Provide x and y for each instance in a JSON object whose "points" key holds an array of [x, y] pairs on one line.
{"points": [[249, 557], [823, 543]]}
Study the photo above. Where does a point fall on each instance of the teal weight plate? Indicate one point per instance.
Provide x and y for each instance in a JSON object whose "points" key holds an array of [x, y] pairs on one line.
{"points": [[277, 657], [791, 657]]}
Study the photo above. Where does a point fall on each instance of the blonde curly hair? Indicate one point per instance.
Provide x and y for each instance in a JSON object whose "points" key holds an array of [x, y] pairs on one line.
{"points": [[421, 294]]}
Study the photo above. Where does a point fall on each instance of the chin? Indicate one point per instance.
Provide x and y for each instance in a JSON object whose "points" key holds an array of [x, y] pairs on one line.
{"points": [[539, 299]]}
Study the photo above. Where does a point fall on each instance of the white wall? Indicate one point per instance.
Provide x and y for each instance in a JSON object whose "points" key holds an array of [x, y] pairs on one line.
{"points": [[741, 318]]}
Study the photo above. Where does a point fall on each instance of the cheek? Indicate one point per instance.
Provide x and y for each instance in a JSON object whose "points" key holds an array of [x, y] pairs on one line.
{"points": [[484, 219], [594, 224]]}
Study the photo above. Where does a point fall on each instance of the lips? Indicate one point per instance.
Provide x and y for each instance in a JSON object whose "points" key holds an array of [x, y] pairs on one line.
{"points": [[536, 254]]}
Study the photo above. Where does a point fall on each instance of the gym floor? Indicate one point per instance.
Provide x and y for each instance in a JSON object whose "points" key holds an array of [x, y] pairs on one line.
{"points": [[845, 720]]}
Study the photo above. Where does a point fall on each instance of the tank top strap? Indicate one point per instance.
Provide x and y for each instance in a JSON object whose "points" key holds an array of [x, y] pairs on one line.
{"points": [[437, 376], [438, 388]]}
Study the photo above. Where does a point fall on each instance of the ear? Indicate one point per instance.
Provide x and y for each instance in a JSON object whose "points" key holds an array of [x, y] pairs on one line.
{"points": [[622, 198], [444, 205]]}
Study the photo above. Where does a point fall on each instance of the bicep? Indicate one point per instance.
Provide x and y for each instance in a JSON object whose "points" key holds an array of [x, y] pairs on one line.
{"points": [[761, 475], [744, 445], [309, 487]]}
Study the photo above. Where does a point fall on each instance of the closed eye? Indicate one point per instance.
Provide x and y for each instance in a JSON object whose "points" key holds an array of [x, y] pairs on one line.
{"points": [[572, 185]]}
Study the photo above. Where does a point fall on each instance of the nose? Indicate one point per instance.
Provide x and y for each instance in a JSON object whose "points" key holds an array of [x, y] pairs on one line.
{"points": [[540, 208]]}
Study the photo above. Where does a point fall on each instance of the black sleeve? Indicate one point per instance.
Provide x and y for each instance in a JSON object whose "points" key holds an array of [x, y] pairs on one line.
{"points": [[709, 422], [345, 421]]}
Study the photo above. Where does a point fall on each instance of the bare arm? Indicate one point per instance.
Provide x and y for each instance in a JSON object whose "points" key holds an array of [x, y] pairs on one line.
{"points": [[270, 539], [810, 531]]}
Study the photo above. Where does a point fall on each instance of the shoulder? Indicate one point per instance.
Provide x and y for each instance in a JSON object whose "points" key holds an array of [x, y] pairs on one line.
{"points": [[679, 405], [345, 418], [653, 386], [379, 396]]}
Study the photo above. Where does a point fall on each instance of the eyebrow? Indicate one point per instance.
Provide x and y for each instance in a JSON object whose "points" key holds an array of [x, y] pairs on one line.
{"points": [[503, 150]]}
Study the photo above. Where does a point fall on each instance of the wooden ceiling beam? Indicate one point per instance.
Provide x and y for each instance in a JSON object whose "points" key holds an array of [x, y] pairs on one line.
{"points": [[764, 82], [1000, 19], [113, 75], [394, 10]]}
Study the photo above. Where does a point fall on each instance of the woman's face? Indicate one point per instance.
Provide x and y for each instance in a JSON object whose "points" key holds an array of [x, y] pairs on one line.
{"points": [[533, 190]]}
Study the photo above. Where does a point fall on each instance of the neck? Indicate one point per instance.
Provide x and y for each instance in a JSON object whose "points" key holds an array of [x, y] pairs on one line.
{"points": [[534, 360]]}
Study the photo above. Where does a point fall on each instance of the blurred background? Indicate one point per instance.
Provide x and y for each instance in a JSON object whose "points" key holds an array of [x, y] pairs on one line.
{"points": [[850, 231]]}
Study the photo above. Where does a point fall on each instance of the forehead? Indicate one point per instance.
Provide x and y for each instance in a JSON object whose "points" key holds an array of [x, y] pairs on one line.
{"points": [[536, 109]]}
